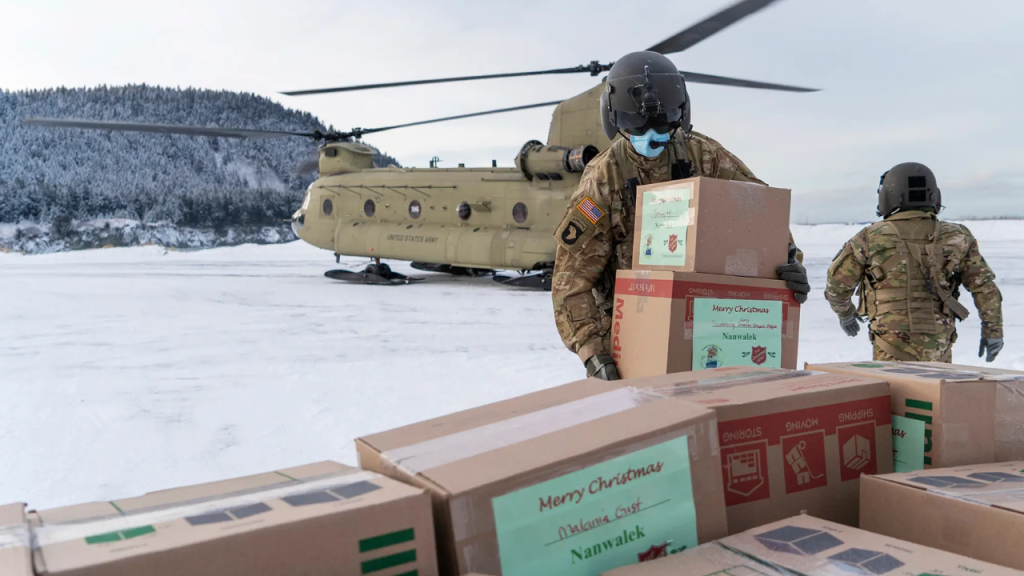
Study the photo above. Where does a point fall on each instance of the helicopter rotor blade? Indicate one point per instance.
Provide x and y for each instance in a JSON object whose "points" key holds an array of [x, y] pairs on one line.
{"points": [[697, 78], [710, 26], [581, 68], [309, 164], [167, 129], [360, 131]]}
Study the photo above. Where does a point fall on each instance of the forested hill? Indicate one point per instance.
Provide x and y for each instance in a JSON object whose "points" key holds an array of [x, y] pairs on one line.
{"points": [[49, 174]]}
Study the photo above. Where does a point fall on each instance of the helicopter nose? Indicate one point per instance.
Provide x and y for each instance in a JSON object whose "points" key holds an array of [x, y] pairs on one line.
{"points": [[298, 222]]}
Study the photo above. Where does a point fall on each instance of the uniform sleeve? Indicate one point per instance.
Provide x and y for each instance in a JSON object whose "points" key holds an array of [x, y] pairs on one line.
{"points": [[846, 273], [726, 166], [583, 248], [980, 280]]}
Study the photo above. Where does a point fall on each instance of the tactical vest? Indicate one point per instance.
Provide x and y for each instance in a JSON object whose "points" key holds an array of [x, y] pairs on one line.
{"points": [[924, 297], [681, 167]]}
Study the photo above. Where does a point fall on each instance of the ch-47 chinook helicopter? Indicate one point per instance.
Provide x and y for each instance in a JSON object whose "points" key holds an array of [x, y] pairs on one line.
{"points": [[461, 221]]}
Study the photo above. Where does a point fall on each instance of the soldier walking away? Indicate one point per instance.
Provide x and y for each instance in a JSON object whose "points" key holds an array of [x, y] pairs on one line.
{"points": [[908, 269], [645, 101]]}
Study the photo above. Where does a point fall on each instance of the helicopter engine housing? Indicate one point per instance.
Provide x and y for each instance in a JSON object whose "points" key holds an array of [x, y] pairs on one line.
{"points": [[536, 160], [344, 158]]}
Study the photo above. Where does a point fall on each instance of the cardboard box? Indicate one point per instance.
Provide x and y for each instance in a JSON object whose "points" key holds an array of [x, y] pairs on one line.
{"points": [[578, 478], [790, 441], [976, 511], [319, 519], [812, 547], [712, 227], [15, 541], [949, 415], [666, 322]]}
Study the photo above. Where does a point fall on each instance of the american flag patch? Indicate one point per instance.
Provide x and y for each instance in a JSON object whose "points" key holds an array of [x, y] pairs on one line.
{"points": [[590, 210]]}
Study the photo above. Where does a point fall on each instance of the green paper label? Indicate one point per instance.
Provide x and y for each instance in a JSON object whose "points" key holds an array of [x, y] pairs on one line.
{"points": [[736, 333], [907, 444], [637, 506], [663, 224]]}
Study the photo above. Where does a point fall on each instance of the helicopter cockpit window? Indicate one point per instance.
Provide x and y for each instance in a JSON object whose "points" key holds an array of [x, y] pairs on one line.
{"points": [[369, 208], [464, 211], [328, 207], [519, 212], [415, 209]]}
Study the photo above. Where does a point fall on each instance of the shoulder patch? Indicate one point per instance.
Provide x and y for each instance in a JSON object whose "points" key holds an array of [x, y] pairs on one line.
{"points": [[572, 232], [590, 210], [575, 233]]}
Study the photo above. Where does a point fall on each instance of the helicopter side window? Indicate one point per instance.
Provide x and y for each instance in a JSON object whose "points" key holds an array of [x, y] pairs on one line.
{"points": [[331, 152], [465, 211], [328, 207], [519, 212], [369, 208], [415, 209]]}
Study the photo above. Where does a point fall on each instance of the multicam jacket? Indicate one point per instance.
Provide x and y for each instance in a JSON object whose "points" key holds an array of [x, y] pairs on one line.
{"points": [[595, 237], [908, 281]]}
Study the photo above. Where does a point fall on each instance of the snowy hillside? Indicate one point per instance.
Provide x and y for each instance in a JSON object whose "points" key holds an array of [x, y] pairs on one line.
{"points": [[49, 175], [135, 369]]}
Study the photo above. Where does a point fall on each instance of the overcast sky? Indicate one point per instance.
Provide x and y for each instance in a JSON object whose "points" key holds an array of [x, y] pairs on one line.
{"points": [[933, 81]]}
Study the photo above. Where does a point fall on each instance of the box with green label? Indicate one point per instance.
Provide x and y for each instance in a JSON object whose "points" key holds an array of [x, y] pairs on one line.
{"points": [[960, 415], [711, 226], [572, 480], [976, 511], [665, 322], [812, 547], [320, 519], [15, 541]]}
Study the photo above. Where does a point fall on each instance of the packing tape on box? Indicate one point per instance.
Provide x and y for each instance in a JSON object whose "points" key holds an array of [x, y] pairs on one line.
{"points": [[16, 536], [423, 456], [748, 199], [743, 262], [473, 514], [730, 381], [49, 534], [1009, 417]]}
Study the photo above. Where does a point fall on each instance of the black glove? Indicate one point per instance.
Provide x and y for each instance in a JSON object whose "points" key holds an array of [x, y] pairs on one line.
{"points": [[795, 276], [602, 366], [992, 346], [850, 323]]}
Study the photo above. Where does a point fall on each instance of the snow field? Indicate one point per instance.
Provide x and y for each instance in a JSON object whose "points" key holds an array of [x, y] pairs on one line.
{"points": [[136, 369]]}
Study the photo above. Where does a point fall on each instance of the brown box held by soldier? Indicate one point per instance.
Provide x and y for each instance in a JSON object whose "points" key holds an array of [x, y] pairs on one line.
{"points": [[790, 441], [961, 414], [15, 541], [654, 329], [536, 484], [711, 226], [319, 519], [976, 511], [807, 545]]}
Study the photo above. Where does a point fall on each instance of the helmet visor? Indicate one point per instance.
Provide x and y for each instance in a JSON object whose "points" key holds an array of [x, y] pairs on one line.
{"points": [[664, 97]]}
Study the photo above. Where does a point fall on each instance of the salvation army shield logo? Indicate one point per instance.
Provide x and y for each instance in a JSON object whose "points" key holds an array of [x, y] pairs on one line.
{"points": [[711, 357], [653, 553], [673, 243], [758, 355]]}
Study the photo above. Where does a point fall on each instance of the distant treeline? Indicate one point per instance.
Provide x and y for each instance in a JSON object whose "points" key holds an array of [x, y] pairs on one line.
{"points": [[49, 174]]}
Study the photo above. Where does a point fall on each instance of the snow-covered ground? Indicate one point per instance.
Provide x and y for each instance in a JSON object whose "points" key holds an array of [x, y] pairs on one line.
{"points": [[134, 369]]}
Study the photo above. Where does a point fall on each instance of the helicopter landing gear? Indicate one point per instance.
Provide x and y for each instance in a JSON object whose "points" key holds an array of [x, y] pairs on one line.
{"points": [[539, 281], [453, 270], [375, 273]]}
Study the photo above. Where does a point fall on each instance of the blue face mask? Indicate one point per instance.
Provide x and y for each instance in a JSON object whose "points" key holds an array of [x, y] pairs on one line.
{"points": [[642, 143]]}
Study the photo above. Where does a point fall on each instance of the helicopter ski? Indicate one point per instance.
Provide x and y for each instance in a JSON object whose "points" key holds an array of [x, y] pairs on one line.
{"points": [[460, 221]]}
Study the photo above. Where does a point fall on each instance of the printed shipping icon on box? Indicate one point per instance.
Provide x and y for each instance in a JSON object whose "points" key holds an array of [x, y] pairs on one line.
{"points": [[948, 415], [667, 322], [790, 441], [711, 226], [319, 519], [976, 511], [572, 480], [812, 547]]}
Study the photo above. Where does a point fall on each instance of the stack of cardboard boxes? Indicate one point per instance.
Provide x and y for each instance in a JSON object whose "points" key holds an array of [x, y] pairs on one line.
{"points": [[703, 291]]}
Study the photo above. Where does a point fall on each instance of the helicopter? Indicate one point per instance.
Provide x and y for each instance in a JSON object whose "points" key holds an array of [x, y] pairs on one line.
{"points": [[464, 221]]}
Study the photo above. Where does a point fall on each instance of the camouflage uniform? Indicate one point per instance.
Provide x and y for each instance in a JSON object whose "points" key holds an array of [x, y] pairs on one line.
{"points": [[593, 244], [909, 320]]}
